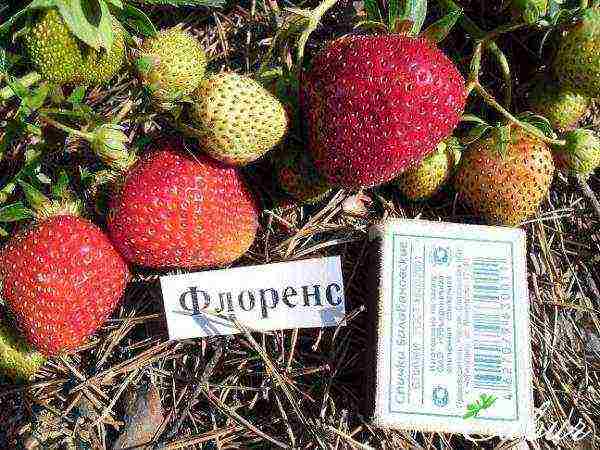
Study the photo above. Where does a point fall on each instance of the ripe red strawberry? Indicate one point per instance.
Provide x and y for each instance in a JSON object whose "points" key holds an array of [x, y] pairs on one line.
{"points": [[377, 105], [181, 210], [61, 279]]}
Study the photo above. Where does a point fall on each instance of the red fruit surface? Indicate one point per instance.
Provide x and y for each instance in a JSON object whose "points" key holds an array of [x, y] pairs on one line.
{"points": [[377, 105], [62, 278], [181, 210]]}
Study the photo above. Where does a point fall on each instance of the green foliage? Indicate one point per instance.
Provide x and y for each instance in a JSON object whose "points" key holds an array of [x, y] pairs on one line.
{"points": [[14, 212], [192, 3], [89, 20], [539, 122], [407, 16], [136, 20], [438, 31]]}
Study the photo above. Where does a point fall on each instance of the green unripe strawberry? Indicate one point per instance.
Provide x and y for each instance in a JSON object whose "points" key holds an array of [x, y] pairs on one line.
{"points": [[564, 109], [172, 64], [18, 360], [581, 154], [298, 176], [61, 58], [426, 179], [238, 119], [577, 61], [101, 66]]}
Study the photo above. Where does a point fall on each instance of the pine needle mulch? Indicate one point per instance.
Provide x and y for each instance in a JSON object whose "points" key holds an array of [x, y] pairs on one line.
{"points": [[304, 388]]}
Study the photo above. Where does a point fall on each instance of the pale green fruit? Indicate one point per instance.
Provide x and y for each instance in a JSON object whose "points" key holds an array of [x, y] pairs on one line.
{"points": [[238, 119]]}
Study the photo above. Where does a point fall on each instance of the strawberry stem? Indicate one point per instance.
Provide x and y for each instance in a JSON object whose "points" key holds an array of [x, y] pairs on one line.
{"points": [[591, 196], [314, 17], [87, 136], [491, 101], [27, 81], [486, 39]]}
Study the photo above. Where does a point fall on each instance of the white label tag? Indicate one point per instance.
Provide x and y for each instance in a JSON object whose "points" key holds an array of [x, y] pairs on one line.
{"points": [[298, 294], [454, 345]]}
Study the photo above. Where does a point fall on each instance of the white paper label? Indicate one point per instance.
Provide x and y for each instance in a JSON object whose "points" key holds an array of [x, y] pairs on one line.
{"points": [[298, 294], [454, 335]]}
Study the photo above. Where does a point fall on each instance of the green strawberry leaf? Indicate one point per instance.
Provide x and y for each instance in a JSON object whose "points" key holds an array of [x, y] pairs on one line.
{"points": [[89, 20], [439, 30], [60, 189], [372, 10], [137, 21], [35, 4], [503, 139], [77, 95], [3, 233], [15, 212], [105, 27], [205, 3], [144, 64], [35, 198], [373, 25], [85, 176], [413, 11], [540, 122], [34, 100], [116, 3], [18, 88], [529, 9], [4, 63], [475, 133], [474, 119]]}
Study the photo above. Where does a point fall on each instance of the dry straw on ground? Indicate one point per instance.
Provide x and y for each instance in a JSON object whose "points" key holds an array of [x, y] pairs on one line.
{"points": [[304, 388]]}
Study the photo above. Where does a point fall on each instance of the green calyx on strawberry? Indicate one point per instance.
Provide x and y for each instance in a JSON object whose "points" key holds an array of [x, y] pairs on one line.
{"points": [[504, 177], [238, 119], [61, 57], [61, 276], [577, 61], [18, 360], [110, 143], [174, 209], [171, 65], [580, 156], [563, 108], [427, 178]]}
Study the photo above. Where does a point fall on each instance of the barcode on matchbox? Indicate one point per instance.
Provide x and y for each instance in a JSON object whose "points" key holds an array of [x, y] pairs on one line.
{"points": [[452, 336], [492, 320]]}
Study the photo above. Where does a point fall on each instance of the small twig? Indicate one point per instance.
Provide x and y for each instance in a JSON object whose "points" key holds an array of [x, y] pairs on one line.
{"points": [[314, 18], [66, 129], [354, 443], [239, 419], [587, 191]]}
